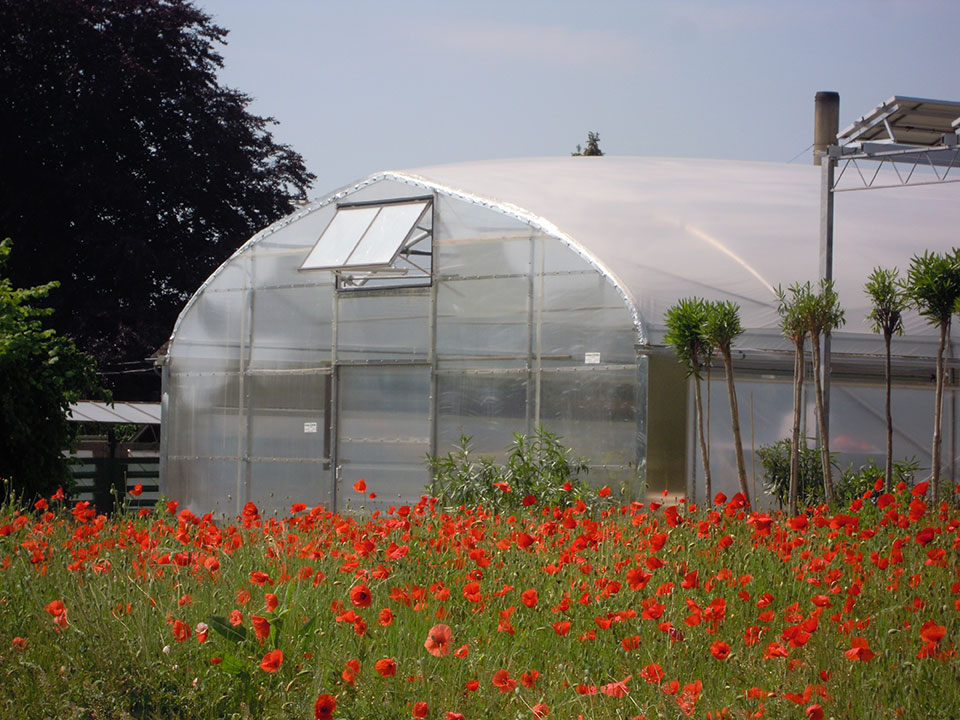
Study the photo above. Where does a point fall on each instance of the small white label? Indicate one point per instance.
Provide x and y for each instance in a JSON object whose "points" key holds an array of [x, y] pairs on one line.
{"points": [[591, 358], [310, 427]]}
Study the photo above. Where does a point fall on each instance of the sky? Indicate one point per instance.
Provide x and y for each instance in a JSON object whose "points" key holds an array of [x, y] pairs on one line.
{"points": [[362, 87]]}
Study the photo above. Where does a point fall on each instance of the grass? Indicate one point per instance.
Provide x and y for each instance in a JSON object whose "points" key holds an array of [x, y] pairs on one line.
{"points": [[673, 612]]}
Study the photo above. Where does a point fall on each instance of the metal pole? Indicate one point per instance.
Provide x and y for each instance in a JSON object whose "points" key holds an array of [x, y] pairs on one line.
{"points": [[826, 268]]}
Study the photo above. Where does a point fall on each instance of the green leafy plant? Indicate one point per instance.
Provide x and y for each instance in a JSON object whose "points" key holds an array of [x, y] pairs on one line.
{"points": [[776, 460], [887, 302], [933, 288], [686, 324], [792, 326], [857, 480], [538, 469]]}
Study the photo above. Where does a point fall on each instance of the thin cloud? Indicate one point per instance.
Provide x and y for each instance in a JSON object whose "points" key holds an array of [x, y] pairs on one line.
{"points": [[547, 44]]}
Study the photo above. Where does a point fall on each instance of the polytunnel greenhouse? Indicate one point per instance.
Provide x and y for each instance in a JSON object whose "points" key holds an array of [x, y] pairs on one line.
{"points": [[389, 318]]}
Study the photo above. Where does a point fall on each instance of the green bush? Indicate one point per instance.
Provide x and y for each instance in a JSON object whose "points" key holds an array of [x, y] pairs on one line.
{"points": [[538, 466], [775, 461], [856, 481]]}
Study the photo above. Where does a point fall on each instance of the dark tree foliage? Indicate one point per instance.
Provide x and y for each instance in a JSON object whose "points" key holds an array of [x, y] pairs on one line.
{"points": [[128, 172], [593, 146]]}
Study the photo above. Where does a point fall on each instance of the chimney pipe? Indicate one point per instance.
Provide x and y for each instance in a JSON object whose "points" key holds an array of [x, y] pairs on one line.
{"points": [[826, 122]]}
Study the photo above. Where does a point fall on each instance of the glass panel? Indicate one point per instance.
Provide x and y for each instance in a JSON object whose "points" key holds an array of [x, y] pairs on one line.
{"points": [[385, 236], [202, 418], [383, 433], [489, 408], [275, 486], [202, 485], [289, 417], [292, 327], [484, 318], [595, 412], [383, 327], [340, 238]]}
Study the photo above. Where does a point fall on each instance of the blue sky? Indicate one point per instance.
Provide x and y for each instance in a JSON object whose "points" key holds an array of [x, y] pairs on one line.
{"points": [[360, 87]]}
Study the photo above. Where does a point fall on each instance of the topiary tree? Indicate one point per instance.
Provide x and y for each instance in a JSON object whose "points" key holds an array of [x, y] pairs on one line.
{"points": [[792, 326], [932, 286], [722, 327], [685, 323], [41, 373], [886, 314]]}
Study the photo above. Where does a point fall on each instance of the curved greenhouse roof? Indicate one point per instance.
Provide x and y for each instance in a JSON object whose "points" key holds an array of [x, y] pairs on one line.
{"points": [[662, 229]]}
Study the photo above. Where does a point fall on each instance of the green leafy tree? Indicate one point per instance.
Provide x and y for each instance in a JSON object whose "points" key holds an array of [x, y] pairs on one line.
{"points": [[793, 328], [722, 327], [129, 172], [821, 313], [886, 315], [593, 146], [41, 373], [932, 287], [685, 323]]}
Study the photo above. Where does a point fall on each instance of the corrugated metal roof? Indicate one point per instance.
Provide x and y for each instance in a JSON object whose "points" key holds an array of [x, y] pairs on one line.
{"points": [[121, 412]]}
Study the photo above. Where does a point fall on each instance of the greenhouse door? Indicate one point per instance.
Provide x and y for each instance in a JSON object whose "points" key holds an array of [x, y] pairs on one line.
{"points": [[383, 433]]}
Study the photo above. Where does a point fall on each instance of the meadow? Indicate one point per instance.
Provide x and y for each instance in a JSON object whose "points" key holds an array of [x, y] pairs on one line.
{"points": [[646, 610]]}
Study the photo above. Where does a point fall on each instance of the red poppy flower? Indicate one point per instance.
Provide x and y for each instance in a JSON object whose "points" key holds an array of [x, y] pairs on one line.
{"points": [[360, 486], [502, 680], [616, 689], [720, 650], [814, 712], [19, 643], [324, 707], [540, 710], [860, 650], [932, 633], [462, 651], [438, 641], [420, 710], [360, 596], [260, 578], [561, 627], [136, 490], [529, 678], [529, 597], [386, 667], [454, 716], [235, 618], [181, 631], [385, 617], [261, 626], [271, 661], [55, 608], [472, 685]]}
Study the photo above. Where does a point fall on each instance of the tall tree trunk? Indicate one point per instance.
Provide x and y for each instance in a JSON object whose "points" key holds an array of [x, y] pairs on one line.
{"points": [[735, 422], [795, 433], [888, 467], [821, 421], [704, 452], [938, 412]]}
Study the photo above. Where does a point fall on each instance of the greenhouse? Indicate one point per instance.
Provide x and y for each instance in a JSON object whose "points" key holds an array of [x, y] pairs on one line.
{"points": [[386, 320]]}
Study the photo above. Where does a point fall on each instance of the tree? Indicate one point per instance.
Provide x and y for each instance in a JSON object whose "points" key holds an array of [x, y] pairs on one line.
{"points": [[821, 313], [129, 172], [685, 334], [794, 329], [722, 327], [41, 373], [887, 305], [933, 288], [593, 146]]}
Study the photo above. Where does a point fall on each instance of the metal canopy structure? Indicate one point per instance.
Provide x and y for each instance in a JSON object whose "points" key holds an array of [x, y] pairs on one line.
{"points": [[125, 413], [913, 141]]}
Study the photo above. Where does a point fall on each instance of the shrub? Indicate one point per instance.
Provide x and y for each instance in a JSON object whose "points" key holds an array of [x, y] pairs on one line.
{"points": [[856, 481], [775, 461], [538, 469]]}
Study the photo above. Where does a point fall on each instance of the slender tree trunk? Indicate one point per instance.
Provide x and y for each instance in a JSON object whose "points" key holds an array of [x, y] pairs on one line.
{"points": [[704, 452], [821, 421], [938, 412], [888, 467], [707, 411], [795, 433], [735, 422]]}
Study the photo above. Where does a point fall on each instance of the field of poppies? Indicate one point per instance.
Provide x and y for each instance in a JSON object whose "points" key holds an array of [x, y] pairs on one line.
{"points": [[645, 611]]}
